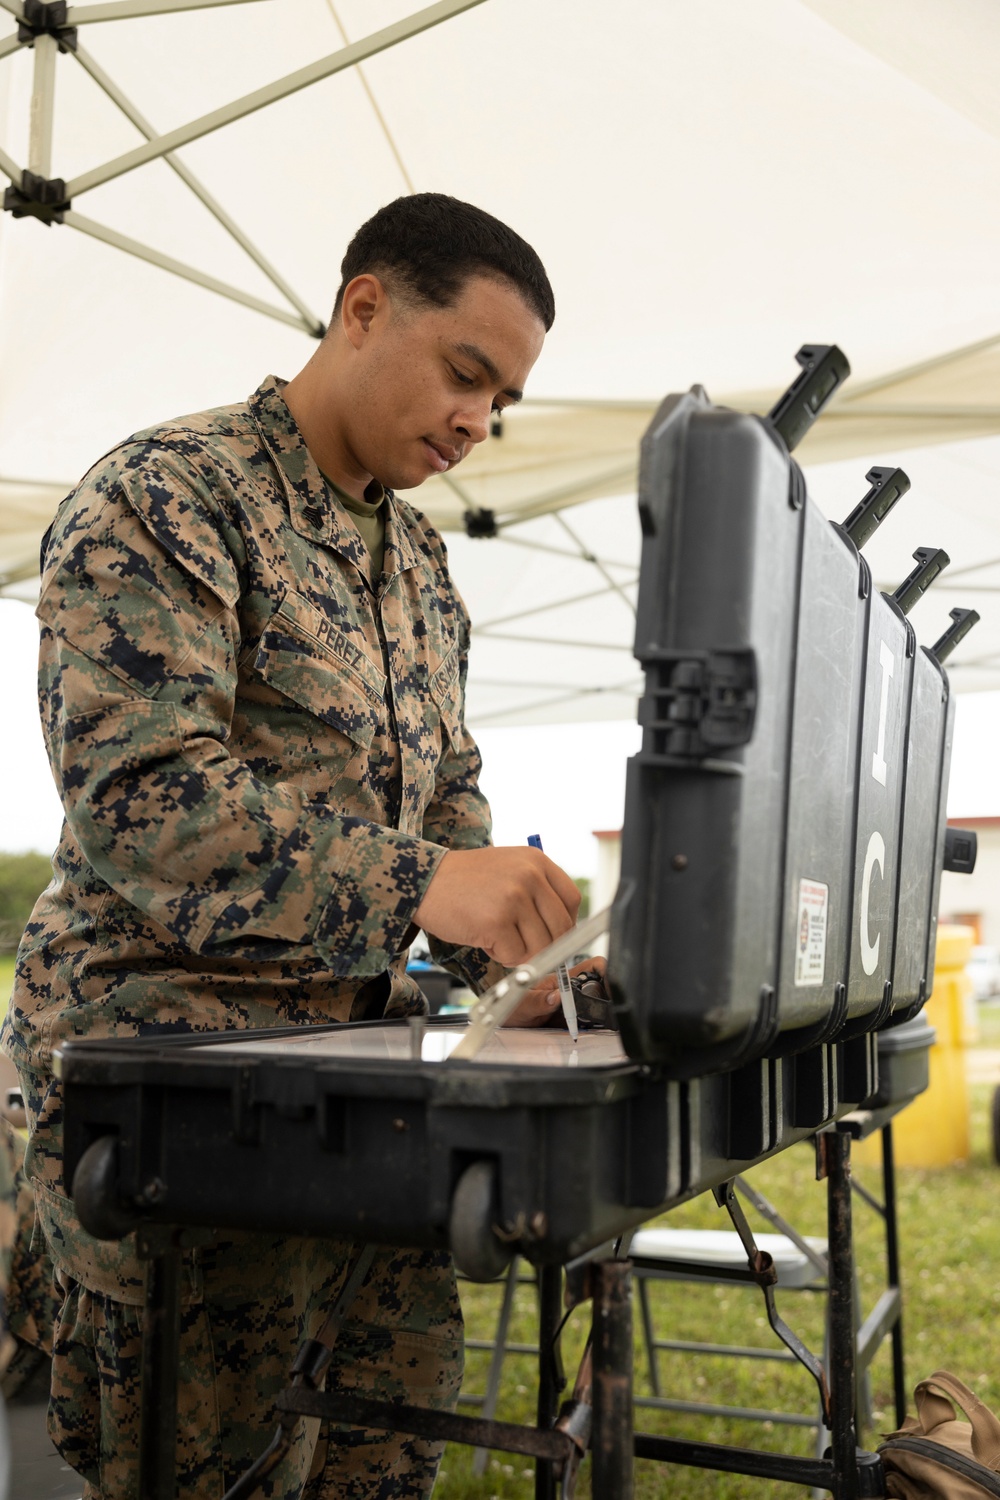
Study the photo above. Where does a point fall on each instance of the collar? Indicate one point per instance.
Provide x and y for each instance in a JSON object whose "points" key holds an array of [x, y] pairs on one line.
{"points": [[314, 512]]}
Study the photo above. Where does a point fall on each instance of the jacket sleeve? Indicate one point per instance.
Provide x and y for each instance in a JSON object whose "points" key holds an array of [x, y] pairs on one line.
{"points": [[139, 652], [458, 816]]}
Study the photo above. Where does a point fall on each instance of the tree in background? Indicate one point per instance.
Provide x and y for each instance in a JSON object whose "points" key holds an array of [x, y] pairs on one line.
{"points": [[23, 877]]}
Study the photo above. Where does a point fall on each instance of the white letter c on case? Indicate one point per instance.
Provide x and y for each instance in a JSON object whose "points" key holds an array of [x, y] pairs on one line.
{"points": [[874, 856]]}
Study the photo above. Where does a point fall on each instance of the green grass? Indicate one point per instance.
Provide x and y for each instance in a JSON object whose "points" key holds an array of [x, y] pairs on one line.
{"points": [[989, 1023], [951, 1311], [6, 979]]}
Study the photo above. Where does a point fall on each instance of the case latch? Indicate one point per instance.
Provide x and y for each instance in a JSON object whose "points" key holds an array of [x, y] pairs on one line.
{"points": [[697, 702]]}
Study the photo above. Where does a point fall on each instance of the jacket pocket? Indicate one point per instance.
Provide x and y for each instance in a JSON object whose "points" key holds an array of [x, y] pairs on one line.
{"points": [[307, 659]]}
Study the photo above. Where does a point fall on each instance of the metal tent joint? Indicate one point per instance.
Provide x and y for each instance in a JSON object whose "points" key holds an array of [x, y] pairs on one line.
{"points": [[42, 198], [480, 522], [46, 18]]}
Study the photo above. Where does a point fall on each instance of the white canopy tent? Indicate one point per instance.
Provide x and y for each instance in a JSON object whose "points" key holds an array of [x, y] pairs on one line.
{"points": [[709, 186]]}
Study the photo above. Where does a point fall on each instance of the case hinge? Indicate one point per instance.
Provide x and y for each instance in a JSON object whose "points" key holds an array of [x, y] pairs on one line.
{"points": [[697, 703]]}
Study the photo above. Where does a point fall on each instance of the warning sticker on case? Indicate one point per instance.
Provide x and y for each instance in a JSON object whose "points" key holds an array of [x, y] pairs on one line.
{"points": [[810, 944]]}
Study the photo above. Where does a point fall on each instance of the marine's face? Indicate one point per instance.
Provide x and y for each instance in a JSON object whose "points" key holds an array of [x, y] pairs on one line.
{"points": [[428, 378]]}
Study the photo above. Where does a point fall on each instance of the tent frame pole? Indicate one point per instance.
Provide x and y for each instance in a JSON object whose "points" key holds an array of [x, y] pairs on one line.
{"points": [[976, 567], [178, 268], [43, 99], [10, 168], [586, 555], [544, 640], [376, 110], [541, 609], [127, 10], [593, 487], [535, 546], [129, 110], [907, 412], [629, 689], [326, 67], [47, 45], [922, 367]]}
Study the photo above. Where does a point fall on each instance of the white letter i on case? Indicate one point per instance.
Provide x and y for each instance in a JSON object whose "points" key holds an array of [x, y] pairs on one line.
{"points": [[887, 663]]}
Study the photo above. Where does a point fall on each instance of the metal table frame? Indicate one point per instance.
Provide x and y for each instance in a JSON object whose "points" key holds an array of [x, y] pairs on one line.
{"points": [[598, 1417]]}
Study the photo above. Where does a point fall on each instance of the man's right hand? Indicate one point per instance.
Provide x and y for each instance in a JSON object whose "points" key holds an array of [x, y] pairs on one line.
{"points": [[511, 902]]}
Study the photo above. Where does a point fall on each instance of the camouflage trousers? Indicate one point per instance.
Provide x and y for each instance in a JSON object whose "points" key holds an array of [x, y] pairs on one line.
{"points": [[249, 1300], [27, 1294]]}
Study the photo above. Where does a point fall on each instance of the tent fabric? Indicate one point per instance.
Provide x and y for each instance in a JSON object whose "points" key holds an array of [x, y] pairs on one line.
{"points": [[549, 454], [26, 508], [709, 186], [951, 50]]}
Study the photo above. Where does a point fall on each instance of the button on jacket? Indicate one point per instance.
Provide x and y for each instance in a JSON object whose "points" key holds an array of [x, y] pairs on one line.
{"points": [[260, 750]]}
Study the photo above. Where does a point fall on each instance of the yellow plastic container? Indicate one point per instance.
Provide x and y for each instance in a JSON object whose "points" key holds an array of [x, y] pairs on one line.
{"points": [[933, 1131]]}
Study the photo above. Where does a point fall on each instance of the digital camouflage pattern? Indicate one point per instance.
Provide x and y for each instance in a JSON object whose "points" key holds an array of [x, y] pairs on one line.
{"points": [[402, 1341], [262, 757], [26, 1273], [10, 1166]]}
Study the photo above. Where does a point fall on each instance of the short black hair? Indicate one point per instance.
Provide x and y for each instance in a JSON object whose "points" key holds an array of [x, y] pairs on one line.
{"points": [[428, 245]]}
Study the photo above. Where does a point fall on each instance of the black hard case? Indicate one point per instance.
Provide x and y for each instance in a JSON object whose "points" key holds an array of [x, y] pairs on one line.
{"points": [[795, 739], [903, 1063], [213, 1130]]}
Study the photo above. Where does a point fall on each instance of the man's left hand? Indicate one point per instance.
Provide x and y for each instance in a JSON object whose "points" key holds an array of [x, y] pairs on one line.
{"points": [[538, 1005]]}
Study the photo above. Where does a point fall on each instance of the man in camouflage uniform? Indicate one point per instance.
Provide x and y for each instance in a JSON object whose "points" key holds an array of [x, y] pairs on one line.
{"points": [[252, 679], [9, 1167]]}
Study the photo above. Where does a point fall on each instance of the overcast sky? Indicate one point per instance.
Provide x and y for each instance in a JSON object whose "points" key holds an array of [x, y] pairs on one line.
{"points": [[561, 781]]}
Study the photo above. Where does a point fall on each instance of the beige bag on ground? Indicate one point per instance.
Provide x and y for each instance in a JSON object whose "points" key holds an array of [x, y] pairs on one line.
{"points": [[936, 1457]]}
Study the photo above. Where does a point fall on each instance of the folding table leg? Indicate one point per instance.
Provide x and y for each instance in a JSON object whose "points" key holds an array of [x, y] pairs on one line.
{"points": [[843, 1440], [161, 1328], [550, 1382], [612, 1438], [892, 1269]]}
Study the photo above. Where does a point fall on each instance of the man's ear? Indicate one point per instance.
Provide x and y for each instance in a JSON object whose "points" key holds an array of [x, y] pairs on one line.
{"points": [[364, 298]]}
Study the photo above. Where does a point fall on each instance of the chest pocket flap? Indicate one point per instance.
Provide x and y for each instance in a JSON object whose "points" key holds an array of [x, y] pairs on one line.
{"points": [[318, 666]]}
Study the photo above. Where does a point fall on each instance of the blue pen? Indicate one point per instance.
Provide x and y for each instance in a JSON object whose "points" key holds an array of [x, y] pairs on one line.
{"points": [[562, 973]]}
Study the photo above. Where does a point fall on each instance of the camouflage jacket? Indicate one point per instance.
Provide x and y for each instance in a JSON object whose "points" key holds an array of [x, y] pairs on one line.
{"points": [[262, 757]]}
